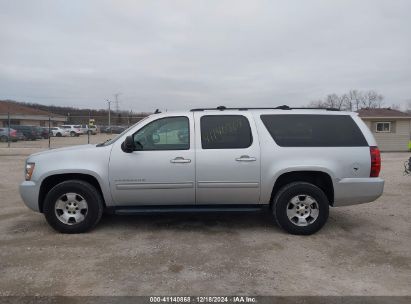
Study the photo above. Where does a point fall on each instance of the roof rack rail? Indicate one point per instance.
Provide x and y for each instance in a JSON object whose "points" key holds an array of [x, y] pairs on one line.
{"points": [[283, 107]]}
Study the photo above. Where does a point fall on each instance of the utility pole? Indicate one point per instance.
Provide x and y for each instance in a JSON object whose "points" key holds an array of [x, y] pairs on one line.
{"points": [[116, 99], [118, 119], [109, 114], [88, 127], [8, 131], [49, 130]]}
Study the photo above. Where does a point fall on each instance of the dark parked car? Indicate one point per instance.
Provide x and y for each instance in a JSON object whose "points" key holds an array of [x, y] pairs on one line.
{"points": [[113, 129], [104, 129], [44, 132], [20, 135], [4, 134], [29, 132]]}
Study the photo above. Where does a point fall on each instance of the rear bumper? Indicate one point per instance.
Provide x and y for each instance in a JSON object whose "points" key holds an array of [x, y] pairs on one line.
{"points": [[29, 192], [352, 191]]}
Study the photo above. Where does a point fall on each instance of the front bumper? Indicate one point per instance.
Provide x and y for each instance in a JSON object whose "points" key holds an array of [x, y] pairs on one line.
{"points": [[352, 191], [29, 192]]}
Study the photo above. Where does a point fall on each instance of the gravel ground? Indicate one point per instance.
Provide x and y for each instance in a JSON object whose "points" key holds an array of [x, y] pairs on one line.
{"points": [[362, 250]]}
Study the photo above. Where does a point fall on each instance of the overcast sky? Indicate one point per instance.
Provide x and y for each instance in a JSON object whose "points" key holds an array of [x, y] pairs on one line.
{"points": [[182, 54]]}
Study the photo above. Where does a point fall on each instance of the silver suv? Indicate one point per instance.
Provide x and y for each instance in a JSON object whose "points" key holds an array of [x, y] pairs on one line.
{"points": [[293, 162], [74, 130]]}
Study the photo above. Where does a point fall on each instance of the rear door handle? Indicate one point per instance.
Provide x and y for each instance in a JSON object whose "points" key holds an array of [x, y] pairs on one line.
{"points": [[180, 160], [246, 158]]}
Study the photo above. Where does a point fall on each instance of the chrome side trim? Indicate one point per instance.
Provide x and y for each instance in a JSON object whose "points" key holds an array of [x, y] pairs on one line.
{"points": [[227, 185], [133, 186]]}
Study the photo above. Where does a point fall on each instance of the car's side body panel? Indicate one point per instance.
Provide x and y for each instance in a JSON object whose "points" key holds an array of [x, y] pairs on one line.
{"points": [[153, 177], [227, 176], [86, 159], [340, 163]]}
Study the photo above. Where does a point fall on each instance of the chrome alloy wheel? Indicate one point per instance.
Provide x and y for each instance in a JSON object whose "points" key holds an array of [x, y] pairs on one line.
{"points": [[71, 208], [302, 210]]}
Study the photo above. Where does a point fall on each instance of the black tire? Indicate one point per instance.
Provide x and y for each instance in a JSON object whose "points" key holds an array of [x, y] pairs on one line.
{"points": [[72, 133], [88, 192], [3, 138], [58, 134], [297, 189]]}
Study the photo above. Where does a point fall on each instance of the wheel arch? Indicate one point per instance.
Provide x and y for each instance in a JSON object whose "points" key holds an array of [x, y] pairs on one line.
{"points": [[52, 180], [319, 178]]}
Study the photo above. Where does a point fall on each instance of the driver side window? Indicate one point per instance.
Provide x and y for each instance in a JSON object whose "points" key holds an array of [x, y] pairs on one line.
{"points": [[169, 133]]}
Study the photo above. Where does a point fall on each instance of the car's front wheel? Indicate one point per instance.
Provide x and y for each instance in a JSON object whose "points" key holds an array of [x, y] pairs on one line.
{"points": [[300, 208], [73, 206]]}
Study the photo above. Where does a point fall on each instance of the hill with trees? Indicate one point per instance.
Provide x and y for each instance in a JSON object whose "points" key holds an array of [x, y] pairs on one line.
{"points": [[81, 116]]}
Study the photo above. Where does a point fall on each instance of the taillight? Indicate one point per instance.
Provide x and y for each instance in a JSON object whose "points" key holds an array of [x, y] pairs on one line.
{"points": [[375, 162]]}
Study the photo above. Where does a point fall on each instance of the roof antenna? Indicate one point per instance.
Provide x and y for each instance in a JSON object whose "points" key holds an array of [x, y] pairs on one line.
{"points": [[221, 108], [157, 111]]}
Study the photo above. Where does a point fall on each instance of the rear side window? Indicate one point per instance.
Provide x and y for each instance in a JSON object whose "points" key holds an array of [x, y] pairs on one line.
{"points": [[225, 132], [314, 130]]}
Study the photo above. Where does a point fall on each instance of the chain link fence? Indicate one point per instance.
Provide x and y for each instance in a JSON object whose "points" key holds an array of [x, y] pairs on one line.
{"points": [[48, 132]]}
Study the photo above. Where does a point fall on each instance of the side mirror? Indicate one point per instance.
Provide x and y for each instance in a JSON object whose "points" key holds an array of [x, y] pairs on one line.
{"points": [[128, 144]]}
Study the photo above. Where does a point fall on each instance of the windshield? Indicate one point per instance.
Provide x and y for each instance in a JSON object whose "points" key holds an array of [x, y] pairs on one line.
{"points": [[113, 140]]}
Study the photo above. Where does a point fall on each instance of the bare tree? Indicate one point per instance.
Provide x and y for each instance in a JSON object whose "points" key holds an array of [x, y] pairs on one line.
{"points": [[351, 101], [372, 100], [354, 100], [317, 104]]}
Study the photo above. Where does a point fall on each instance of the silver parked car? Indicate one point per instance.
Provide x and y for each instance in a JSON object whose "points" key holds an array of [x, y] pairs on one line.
{"points": [[89, 129], [59, 132], [294, 162], [74, 130]]}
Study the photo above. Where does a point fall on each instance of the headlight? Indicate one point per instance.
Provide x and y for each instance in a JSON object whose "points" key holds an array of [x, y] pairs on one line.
{"points": [[29, 171]]}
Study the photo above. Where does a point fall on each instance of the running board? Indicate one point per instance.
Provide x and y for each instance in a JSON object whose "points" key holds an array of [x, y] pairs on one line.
{"points": [[188, 209]]}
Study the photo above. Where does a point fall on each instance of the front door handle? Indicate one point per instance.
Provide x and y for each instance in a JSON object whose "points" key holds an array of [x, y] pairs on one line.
{"points": [[180, 160], [246, 158]]}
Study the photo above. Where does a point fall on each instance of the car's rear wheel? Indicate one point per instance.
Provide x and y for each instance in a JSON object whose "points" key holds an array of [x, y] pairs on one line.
{"points": [[58, 134], [73, 206], [300, 208], [72, 133]]}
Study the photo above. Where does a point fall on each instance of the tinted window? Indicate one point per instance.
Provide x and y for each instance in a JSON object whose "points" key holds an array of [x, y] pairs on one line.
{"points": [[225, 132], [314, 130], [171, 133]]}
